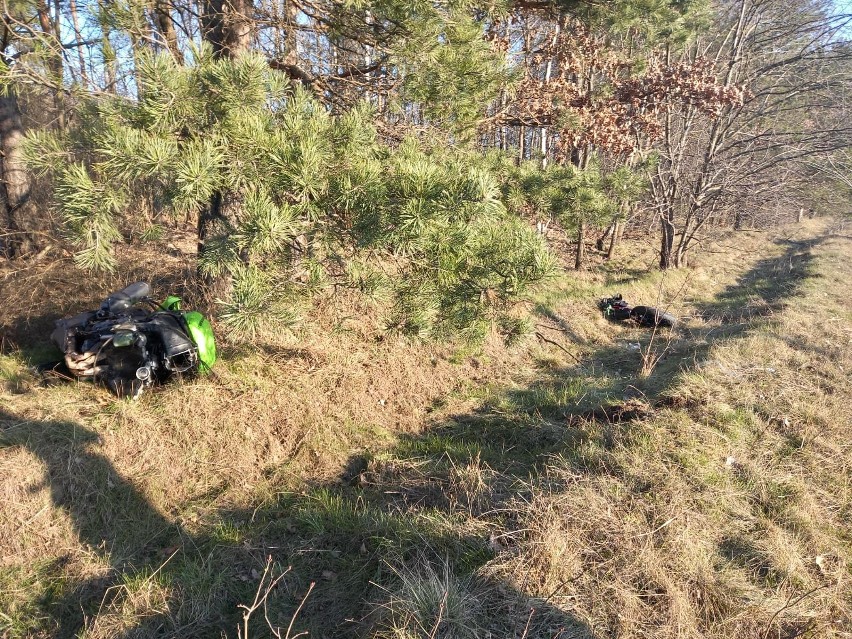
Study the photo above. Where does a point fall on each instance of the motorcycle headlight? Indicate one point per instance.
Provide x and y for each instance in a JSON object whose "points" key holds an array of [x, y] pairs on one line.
{"points": [[123, 339]]}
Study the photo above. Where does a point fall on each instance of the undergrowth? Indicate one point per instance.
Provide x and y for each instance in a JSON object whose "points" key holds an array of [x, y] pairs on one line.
{"points": [[551, 489]]}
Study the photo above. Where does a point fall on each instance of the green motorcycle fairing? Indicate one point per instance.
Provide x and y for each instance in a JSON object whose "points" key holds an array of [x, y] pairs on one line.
{"points": [[171, 303], [201, 333]]}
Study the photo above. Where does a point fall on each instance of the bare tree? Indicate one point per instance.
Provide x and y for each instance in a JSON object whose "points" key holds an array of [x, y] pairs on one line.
{"points": [[787, 58]]}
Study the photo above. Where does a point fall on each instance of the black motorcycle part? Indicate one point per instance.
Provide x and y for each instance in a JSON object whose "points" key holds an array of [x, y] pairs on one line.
{"points": [[122, 300], [650, 316], [615, 308], [179, 351], [619, 313]]}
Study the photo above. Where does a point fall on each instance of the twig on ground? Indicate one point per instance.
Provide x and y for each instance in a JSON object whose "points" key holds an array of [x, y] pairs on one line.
{"points": [[553, 328], [295, 614], [559, 346], [440, 618], [790, 604], [260, 597], [527, 627], [656, 530]]}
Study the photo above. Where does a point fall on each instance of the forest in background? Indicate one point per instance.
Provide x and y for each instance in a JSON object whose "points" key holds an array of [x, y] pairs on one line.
{"points": [[422, 152]]}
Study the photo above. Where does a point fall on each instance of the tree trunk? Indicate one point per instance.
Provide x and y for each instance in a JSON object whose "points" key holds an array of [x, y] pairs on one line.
{"points": [[50, 28], [613, 239], [667, 242], [216, 223], [547, 73], [110, 62], [581, 245], [680, 257], [166, 28], [81, 58], [227, 26], [599, 243], [18, 211]]}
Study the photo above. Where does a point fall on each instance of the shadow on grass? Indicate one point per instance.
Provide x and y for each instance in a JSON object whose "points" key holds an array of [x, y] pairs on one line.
{"points": [[577, 413], [351, 539], [399, 532], [147, 558], [602, 382], [763, 289], [109, 515]]}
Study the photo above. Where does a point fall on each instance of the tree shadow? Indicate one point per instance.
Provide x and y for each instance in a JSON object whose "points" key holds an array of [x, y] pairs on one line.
{"points": [[546, 312], [391, 544], [388, 509], [200, 578], [108, 514], [348, 538], [642, 365], [763, 289], [510, 438]]}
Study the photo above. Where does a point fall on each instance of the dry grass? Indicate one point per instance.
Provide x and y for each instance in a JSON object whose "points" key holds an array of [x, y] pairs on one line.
{"points": [[717, 517], [433, 492]]}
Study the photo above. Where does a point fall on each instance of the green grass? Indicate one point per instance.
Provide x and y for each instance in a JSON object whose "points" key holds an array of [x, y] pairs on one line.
{"points": [[14, 376], [25, 592]]}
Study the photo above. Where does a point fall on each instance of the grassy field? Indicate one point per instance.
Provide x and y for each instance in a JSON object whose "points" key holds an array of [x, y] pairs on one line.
{"points": [[593, 481]]}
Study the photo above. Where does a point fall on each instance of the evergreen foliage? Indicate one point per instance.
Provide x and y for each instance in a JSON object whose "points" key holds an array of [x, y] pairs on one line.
{"points": [[625, 186], [562, 192], [452, 73], [315, 195]]}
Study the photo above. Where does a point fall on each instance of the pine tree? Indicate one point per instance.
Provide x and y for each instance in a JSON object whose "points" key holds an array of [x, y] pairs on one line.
{"points": [[576, 198], [309, 191]]}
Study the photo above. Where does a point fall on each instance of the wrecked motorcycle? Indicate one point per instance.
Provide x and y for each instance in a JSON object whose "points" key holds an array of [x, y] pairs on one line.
{"points": [[616, 308], [131, 342]]}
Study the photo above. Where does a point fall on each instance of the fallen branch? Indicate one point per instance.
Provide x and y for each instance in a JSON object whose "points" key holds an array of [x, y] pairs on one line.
{"points": [[559, 346]]}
